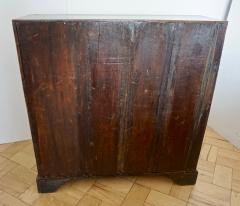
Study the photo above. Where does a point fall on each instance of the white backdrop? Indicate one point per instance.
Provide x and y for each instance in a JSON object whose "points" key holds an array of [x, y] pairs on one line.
{"points": [[225, 112], [13, 117]]}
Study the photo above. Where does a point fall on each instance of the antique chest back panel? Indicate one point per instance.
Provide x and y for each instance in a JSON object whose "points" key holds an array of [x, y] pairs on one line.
{"points": [[117, 96]]}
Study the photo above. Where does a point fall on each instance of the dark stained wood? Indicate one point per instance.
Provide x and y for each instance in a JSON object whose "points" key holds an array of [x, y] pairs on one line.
{"points": [[117, 97]]}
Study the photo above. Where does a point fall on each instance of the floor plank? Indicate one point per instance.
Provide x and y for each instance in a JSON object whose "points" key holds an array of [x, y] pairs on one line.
{"points": [[160, 199], [210, 194], [161, 184], [223, 176], [88, 200], [8, 200], [136, 196], [181, 192], [235, 199], [212, 157]]}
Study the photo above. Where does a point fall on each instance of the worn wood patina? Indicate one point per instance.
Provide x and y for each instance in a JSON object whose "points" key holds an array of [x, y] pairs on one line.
{"points": [[117, 96]]}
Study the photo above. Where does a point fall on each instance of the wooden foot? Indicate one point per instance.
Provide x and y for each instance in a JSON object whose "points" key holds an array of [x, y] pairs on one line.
{"points": [[46, 185], [185, 178]]}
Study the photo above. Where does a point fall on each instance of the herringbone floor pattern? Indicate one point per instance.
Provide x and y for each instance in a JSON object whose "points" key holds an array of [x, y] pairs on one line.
{"points": [[218, 182]]}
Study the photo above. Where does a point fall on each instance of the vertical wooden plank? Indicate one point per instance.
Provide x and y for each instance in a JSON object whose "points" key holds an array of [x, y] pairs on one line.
{"points": [[208, 84], [150, 56], [110, 61], [190, 52], [81, 60], [50, 88]]}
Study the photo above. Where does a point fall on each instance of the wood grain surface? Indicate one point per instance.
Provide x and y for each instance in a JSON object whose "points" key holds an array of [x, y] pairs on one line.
{"points": [[118, 97]]}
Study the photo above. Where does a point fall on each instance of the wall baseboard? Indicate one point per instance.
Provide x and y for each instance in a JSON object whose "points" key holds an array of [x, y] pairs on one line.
{"points": [[4, 140]]}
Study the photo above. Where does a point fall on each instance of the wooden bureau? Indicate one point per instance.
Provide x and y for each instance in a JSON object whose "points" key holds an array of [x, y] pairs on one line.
{"points": [[117, 95]]}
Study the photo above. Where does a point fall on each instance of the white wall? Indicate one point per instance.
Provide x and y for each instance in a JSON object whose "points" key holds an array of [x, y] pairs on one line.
{"points": [[225, 112], [13, 117]]}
